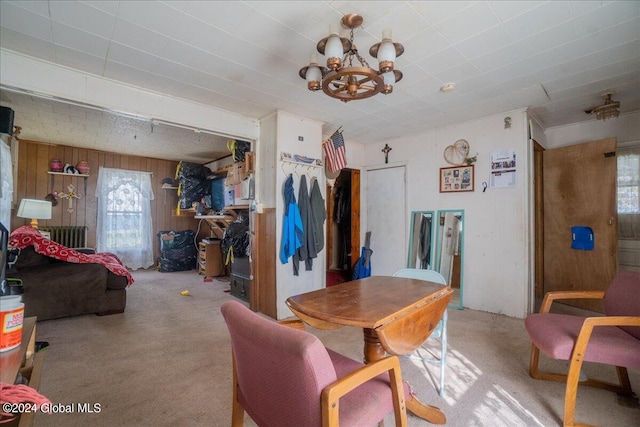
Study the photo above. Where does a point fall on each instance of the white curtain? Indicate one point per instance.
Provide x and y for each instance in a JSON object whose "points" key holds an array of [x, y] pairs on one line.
{"points": [[629, 192], [124, 216], [6, 185]]}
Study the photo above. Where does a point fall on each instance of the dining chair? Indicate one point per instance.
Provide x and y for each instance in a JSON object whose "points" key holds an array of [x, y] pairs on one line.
{"points": [[440, 330], [612, 339], [285, 376]]}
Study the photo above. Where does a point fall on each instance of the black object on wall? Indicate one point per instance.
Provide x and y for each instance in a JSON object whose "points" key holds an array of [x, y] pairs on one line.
{"points": [[6, 120]]}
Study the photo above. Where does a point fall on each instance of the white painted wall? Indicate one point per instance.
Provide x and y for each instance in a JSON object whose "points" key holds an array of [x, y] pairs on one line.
{"points": [[496, 261], [289, 128]]}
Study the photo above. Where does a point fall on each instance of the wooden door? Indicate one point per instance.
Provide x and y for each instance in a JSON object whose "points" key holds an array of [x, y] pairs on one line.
{"points": [[580, 190]]}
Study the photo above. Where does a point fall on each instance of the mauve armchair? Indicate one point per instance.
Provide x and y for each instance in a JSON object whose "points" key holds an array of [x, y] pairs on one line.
{"points": [[612, 339], [284, 376]]}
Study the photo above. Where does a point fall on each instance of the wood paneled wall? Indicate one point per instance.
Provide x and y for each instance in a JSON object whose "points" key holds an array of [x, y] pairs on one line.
{"points": [[34, 182]]}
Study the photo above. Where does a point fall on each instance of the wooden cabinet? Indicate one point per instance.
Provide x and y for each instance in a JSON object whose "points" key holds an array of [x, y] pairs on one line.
{"points": [[210, 258]]}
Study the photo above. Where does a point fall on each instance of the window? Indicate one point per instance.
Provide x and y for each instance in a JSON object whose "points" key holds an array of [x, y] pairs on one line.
{"points": [[124, 216], [629, 192]]}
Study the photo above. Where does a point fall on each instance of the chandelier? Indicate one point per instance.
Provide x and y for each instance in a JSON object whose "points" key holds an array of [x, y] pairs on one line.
{"points": [[609, 109], [343, 78]]}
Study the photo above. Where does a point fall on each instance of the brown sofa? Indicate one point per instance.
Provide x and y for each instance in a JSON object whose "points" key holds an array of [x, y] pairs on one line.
{"points": [[54, 288]]}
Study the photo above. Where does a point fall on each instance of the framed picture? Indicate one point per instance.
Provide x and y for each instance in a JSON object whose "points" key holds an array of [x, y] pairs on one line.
{"points": [[456, 179]]}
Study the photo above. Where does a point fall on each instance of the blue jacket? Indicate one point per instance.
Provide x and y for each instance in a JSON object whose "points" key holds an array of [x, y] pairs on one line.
{"points": [[292, 231]]}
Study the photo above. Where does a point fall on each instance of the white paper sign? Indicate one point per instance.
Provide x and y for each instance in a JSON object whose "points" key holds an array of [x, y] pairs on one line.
{"points": [[503, 169]]}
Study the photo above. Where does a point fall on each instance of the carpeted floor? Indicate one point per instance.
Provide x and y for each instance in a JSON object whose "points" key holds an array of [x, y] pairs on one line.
{"points": [[166, 362]]}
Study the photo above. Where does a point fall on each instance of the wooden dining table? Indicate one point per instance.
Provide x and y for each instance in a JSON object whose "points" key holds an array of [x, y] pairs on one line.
{"points": [[396, 314]]}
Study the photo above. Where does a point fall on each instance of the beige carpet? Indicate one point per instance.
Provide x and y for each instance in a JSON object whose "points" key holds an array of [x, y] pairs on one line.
{"points": [[166, 362]]}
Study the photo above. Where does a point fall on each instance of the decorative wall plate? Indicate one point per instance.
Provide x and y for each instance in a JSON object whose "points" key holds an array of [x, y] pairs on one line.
{"points": [[457, 153]]}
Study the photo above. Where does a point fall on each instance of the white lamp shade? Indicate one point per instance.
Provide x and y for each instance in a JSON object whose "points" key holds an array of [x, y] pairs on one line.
{"points": [[34, 209], [314, 74], [387, 51], [389, 78], [333, 48]]}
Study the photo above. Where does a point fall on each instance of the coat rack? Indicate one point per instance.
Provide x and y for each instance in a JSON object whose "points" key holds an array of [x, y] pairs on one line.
{"points": [[299, 161]]}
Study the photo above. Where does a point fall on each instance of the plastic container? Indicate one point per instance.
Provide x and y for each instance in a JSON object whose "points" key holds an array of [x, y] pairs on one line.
{"points": [[11, 317], [56, 165], [83, 167]]}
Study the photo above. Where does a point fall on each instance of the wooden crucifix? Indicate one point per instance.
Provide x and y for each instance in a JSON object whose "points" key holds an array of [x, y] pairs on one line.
{"points": [[70, 196], [386, 150]]}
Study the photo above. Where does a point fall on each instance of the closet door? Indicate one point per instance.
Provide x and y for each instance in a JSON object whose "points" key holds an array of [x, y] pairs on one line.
{"points": [[580, 190], [387, 219]]}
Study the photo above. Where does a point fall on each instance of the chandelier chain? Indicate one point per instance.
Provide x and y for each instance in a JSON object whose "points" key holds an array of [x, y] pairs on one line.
{"points": [[353, 51]]}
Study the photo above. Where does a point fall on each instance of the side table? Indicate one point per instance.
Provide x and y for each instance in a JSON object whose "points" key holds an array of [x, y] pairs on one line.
{"points": [[25, 361]]}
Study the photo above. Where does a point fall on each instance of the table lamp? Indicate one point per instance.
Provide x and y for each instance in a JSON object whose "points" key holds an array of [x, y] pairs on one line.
{"points": [[34, 209]]}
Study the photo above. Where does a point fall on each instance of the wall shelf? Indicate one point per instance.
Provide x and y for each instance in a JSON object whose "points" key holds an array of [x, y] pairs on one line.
{"points": [[69, 174], [166, 187], [72, 175]]}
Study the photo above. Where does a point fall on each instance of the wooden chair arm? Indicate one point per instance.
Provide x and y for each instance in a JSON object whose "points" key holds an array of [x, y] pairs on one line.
{"points": [[334, 391], [550, 297], [611, 321], [587, 329]]}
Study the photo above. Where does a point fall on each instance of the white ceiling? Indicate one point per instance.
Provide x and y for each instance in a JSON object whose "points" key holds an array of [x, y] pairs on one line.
{"points": [[556, 57]]}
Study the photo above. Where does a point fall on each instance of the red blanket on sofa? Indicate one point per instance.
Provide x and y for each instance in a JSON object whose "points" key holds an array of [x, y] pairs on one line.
{"points": [[27, 236]]}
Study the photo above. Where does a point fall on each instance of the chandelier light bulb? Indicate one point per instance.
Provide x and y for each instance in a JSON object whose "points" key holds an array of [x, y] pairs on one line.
{"points": [[333, 50], [389, 79], [386, 52], [314, 74]]}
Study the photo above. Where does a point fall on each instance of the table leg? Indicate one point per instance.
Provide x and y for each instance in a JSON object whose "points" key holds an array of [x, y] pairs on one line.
{"points": [[373, 351], [426, 412]]}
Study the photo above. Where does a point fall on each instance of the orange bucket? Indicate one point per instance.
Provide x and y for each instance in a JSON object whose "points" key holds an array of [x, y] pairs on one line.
{"points": [[11, 317]]}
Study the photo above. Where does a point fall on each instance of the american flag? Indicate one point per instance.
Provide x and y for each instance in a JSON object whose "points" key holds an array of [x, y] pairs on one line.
{"points": [[335, 152]]}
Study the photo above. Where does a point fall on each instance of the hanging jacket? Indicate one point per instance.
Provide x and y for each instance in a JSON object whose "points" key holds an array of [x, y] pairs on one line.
{"points": [[318, 215], [424, 244], [307, 251], [292, 231]]}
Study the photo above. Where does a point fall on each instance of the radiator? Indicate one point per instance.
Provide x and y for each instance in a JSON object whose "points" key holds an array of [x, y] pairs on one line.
{"points": [[69, 236]]}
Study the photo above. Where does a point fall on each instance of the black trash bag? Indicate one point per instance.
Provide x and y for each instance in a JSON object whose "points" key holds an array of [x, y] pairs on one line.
{"points": [[178, 251], [192, 170], [193, 183], [193, 190], [176, 239], [168, 265], [238, 148], [236, 238]]}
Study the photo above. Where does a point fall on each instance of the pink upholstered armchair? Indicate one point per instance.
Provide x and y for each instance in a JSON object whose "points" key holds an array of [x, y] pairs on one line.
{"points": [[613, 339], [284, 376]]}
